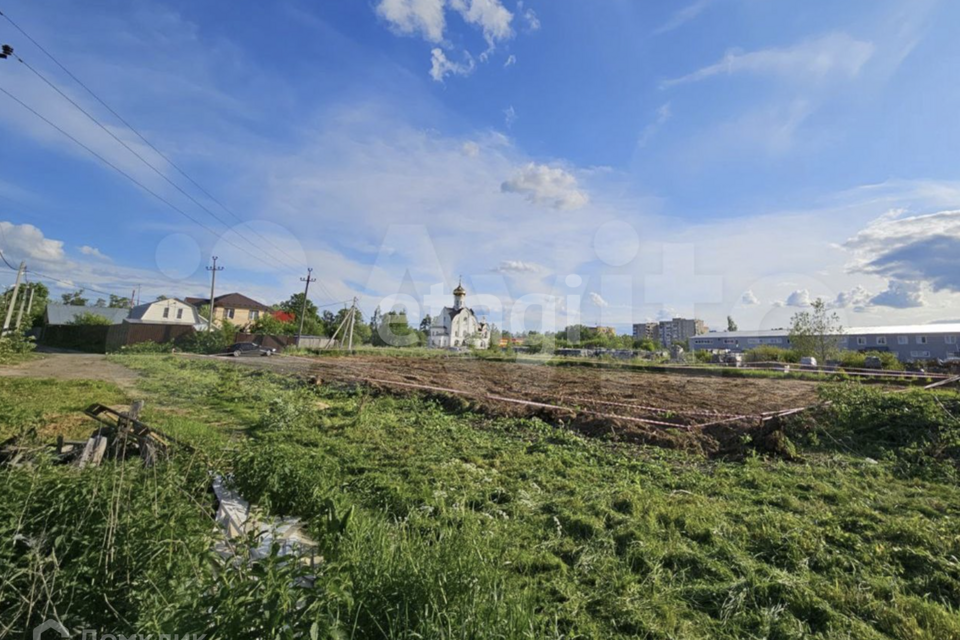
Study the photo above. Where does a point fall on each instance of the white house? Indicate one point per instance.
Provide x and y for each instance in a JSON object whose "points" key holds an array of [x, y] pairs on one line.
{"points": [[169, 311], [458, 326]]}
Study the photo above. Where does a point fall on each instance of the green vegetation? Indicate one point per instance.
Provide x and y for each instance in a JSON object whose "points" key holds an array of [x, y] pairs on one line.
{"points": [[816, 332], [15, 348], [435, 524], [89, 319]]}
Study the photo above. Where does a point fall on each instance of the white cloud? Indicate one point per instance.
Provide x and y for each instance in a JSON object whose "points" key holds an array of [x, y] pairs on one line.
{"points": [[836, 54], [470, 149], [799, 298], [664, 114], [441, 67], [685, 15], [517, 267], [93, 252], [918, 249], [26, 242], [598, 300], [491, 16], [509, 116], [546, 186], [749, 298], [511, 60], [857, 299], [411, 17], [900, 295], [529, 16]]}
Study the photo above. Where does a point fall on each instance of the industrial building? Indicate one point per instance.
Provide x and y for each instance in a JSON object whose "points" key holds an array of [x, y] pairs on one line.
{"points": [[909, 343]]}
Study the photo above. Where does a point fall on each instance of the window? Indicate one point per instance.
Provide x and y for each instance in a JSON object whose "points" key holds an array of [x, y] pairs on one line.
{"points": [[882, 340], [254, 315], [230, 313], [921, 339], [861, 341], [919, 354], [179, 314], [753, 341], [166, 312], [950, 339], [903, 340]]}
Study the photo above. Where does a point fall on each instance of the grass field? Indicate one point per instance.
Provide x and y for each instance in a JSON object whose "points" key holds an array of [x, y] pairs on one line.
{"points": [[472, 526]]}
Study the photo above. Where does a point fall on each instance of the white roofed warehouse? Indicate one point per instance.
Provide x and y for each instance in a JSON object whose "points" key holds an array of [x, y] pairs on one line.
{"points": [[910, 343]]}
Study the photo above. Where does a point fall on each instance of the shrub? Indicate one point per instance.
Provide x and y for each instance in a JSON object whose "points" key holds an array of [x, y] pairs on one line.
{"points": [[215, 341], [767, 353], [857, 359], [15, 347], [920, 429]]}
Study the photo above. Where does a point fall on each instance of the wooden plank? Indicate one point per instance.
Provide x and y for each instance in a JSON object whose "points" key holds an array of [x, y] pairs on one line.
{"points": [[93, 452]]}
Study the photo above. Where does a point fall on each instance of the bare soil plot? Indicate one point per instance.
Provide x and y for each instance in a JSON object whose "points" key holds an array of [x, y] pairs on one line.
{"points": [[702, 413]]}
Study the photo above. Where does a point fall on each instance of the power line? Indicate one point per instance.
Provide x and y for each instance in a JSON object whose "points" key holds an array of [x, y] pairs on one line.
{"points": [[149, 144], [122, 172], [130, 126], [142, 159]]}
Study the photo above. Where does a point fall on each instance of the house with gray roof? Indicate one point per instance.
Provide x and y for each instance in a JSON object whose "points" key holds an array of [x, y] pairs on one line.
{"points": [[64, 314]]}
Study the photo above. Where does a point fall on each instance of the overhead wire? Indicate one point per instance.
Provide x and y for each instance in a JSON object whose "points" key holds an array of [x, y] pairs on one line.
{"points": [[142, 137]]}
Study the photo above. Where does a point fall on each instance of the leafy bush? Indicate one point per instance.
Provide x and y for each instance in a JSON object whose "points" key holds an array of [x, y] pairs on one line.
{"points": [[768, 353], [919, 429], [87, 319], [15, 347], [857, 360], [215, 341]]}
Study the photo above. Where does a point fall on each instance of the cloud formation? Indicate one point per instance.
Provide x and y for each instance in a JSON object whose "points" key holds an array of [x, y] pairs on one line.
{"points": [[912, 252], [415, 17], [546, 186], [517, 267], [900, 295], [93, 252], [664, 114], [836, 54], [441, 67], [598, 300], [26, 242], [685, 15], [749, 299], [799, 298]]}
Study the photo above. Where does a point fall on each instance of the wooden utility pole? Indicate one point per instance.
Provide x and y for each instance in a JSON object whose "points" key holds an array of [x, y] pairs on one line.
{"points": [[213, 285], [23, 304], [13, 298], [353, 319], [303, 307]]}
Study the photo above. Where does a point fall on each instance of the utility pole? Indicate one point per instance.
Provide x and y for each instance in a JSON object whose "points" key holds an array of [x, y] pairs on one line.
{"points": [[303, 307], [23, 304], [213, 284], [353, 319], [13, 298]]}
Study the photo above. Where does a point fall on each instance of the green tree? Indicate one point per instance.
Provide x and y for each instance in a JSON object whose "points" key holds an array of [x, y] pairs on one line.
{"points": [[294, 305], [535, 342], [119, 302], [86, 319], [74, 298], [731, 325], [425, 323], [394, 331], [816, 332]]}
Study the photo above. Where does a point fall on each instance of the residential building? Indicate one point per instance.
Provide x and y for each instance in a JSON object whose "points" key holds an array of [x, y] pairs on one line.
{"points": [[458, 326], [647, 331], [909, 343], [166, 311], [607, 331], [236, 308], [679, 330], [66, 314]]}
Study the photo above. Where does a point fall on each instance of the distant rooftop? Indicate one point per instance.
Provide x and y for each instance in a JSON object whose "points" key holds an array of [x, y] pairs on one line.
{"points": [[930, 329], [58, 314]]}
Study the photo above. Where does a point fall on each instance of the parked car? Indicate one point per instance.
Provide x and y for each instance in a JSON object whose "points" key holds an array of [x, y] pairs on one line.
{"points": [[248, 349], [808, 361]]}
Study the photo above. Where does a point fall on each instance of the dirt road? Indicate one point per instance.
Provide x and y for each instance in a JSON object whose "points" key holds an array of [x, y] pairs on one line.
{"points": [[72, 365]]}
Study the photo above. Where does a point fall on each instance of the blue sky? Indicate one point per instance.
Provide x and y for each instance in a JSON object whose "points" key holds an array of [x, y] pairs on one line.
{"points": [[706, 157]]}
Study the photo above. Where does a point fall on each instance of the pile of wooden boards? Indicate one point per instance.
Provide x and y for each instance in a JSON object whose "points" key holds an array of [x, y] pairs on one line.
{"points": [[120, 436]]}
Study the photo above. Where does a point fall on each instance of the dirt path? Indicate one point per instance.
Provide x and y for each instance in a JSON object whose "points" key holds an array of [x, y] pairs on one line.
{"points": [[70, 365]]}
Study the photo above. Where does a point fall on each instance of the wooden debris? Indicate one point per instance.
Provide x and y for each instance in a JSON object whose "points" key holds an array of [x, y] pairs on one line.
{"points": [[119, 435]]}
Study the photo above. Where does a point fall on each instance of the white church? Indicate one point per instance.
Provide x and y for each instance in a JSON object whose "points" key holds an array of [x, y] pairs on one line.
{"points": [[458, 326]]}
